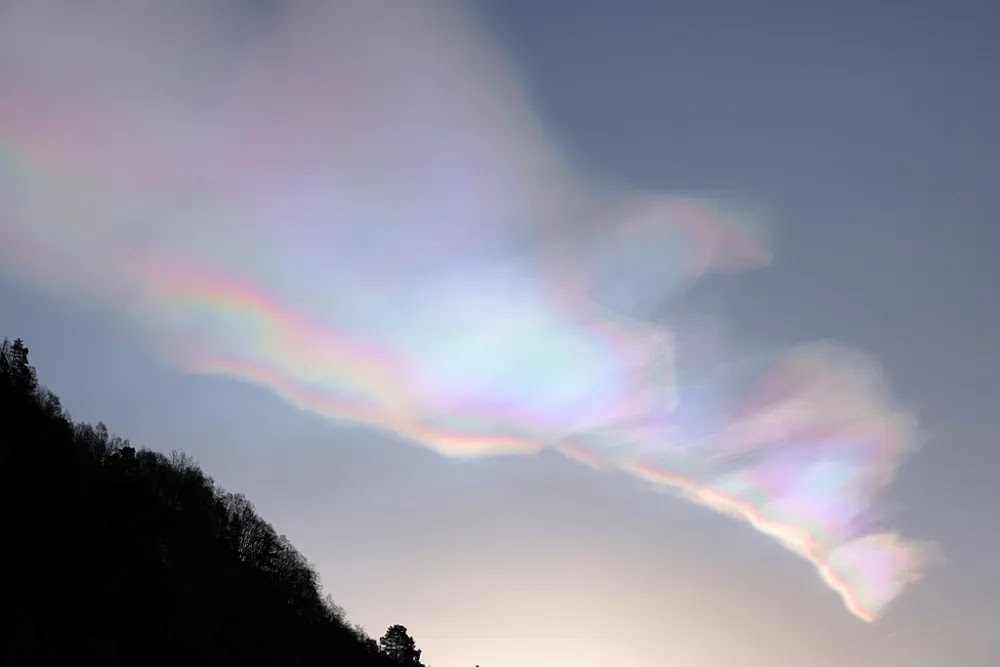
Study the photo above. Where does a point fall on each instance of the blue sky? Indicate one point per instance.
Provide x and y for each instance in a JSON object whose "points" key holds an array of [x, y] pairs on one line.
{"points": [[868, 129]]}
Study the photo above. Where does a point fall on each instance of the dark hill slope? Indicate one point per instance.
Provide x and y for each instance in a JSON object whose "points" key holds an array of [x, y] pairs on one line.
{"points": [[117, 556]]}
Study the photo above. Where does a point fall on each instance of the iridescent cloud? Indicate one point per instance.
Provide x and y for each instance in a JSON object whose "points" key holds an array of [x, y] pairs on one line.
{"points": [[354, 205]]}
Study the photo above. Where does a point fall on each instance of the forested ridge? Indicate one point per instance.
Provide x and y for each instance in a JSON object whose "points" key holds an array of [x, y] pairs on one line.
{"points": [[115, 555]]}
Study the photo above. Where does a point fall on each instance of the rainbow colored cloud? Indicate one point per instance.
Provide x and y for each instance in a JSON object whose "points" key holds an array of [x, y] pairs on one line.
{"points": [[353, 205]]}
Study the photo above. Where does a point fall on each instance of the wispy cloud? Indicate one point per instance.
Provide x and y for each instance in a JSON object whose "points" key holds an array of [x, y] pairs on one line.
{"points": [[354, 204]]}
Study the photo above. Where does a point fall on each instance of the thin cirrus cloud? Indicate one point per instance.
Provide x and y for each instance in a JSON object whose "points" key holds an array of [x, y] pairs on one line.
{"points": [[354, 205]]}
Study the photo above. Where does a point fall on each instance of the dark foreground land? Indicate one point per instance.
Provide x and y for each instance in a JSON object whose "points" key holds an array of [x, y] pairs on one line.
{"points": [[114, 555]]}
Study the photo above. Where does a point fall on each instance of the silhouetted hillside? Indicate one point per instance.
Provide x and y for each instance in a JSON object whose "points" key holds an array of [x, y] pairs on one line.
{"points": [[119, 556]]}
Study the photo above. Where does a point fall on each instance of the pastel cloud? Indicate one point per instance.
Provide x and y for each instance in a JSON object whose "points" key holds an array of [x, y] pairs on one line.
{"points": [[353, 204]]}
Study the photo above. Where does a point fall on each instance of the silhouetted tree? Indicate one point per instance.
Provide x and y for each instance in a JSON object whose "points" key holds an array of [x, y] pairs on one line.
{"points": [[399, 646], [15, 368]]}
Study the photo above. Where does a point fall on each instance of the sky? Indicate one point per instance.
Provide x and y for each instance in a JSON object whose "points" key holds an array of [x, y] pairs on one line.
{"points": [[563, 333]]}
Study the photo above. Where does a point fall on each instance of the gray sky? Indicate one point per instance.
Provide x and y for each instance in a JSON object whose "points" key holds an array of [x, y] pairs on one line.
{"points": [[867, 128]]}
